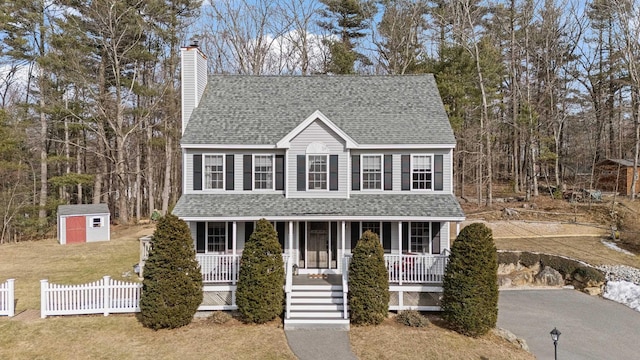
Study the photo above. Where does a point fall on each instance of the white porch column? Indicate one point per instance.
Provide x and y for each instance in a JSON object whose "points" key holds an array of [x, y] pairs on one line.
{"points": [[234, 238], [400, 254], [343, 229], [291, 239], [457, 229]]}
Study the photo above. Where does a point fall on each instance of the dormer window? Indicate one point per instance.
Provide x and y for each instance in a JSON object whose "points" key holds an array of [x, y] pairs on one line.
{"points": [[421, 172], [317, 172], [213, 172]]}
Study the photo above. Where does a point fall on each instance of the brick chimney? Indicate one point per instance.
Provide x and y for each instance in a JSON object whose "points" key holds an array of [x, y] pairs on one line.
{"points": [[194, 79]]}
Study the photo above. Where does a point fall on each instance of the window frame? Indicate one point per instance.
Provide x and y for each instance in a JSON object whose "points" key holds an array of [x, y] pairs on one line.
{"points": [[204, 172], [362, 171], [99, 224], [273, 172], [207, 242], [428, 236], [431, 171], [326, 171]]}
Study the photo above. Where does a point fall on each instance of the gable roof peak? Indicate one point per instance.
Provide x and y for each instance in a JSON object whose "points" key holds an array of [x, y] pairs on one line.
{"points": [[317, 115]]}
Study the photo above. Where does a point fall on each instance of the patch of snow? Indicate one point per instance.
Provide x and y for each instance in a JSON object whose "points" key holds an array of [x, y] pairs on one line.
{"points": [[624, 292], [615, 247]]}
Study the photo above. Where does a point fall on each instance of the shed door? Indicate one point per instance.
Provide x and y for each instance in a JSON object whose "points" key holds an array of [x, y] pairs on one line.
{"points": [[76, 229]]}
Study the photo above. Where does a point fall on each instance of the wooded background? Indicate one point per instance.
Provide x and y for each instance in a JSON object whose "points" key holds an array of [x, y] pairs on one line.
{"points": [[537, 92]]}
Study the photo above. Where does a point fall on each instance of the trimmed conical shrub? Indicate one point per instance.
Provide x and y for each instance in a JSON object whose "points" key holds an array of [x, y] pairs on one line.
{"points": [[172, 285], [470, 299], [368, 282], [260, 282]]}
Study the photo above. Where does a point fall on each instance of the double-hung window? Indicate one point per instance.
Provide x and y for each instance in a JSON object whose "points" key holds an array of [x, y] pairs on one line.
{"points": [[213, 172], [263, 172], [371, 172], [373, 226], [216, 236], [422, 172], [419, 237], [317, 172]]}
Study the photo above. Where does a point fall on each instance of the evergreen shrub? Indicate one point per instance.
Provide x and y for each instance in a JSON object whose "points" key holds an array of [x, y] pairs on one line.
{"points": [[529, 259], [470, 297], [172, 285], [508, 258], [566, 267], [412, 318], [587, 274], [260, 293], [368, 282]]}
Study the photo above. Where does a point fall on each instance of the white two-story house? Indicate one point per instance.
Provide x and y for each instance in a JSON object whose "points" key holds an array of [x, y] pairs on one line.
{"points": [[324, 158]]}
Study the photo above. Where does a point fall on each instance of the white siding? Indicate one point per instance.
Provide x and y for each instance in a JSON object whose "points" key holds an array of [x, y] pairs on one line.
{"points": [[445, 235], [187, 172], [317, 132]]}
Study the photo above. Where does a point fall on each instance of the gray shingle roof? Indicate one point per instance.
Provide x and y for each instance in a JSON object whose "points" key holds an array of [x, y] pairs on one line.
{"points": [[238, 109], [274, 205], [83, 209]]}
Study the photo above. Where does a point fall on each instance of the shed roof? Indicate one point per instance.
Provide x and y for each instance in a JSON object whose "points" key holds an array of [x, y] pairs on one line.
{"points": [[83, 209], [623, 162], [261, 110]]}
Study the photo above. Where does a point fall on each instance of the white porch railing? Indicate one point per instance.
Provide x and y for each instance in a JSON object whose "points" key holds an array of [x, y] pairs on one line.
{"points": [[103, 296], [219, 268], [225, 268], [7, 298], [416, 268]]}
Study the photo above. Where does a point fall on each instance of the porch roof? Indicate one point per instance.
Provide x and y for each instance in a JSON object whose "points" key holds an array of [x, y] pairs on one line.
{"points": [[276, 206]]}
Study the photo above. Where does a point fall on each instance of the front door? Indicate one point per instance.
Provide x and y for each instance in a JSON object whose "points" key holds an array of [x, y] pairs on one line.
{"points": [[318, 245]]}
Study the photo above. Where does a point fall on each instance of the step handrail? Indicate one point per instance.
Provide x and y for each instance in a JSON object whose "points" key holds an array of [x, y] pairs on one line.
{"points": [[288, 284], [345, 286]]}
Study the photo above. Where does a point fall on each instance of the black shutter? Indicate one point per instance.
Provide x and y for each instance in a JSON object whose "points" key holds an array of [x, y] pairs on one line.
{"points": [[279, 172], [386, 236], [229, 235], [333, 172], [355, 234], [247, 168], [201, 242], [197, 172], [406, 172], [355, 172], [248, 230], [388, 172], [302, 234], [229, 172], [435, 237], [334, 240], [437, 164], [280, 229], [301, 173], [405, 237]]}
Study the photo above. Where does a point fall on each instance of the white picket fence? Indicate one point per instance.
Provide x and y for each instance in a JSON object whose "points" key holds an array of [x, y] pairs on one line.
{"points": [[7, 298], [104, 296]]}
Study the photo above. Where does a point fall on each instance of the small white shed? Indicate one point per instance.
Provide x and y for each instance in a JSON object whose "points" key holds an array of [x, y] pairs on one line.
{"points": [[83, 223]]}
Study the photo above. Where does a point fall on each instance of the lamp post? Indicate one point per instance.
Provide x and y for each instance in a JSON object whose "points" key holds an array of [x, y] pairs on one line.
{"points": [[555, 336]]}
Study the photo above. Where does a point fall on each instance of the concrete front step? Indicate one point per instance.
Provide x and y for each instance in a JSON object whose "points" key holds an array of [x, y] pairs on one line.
{"points": [[314, 323]]}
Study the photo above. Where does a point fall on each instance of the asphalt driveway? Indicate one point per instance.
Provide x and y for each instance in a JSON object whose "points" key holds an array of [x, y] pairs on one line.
{"points": [[591, 327]]}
